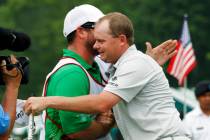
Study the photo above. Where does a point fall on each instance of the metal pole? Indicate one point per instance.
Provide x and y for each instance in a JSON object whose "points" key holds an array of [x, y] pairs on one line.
{"points": [[185, 98]]}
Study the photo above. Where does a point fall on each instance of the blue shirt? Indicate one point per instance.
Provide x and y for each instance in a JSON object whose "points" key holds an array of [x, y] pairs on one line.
{"points": [[4, 121]]}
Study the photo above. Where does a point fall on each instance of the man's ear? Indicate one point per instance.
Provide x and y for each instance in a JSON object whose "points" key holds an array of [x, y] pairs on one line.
{"points": [[81, 33], [123, 39]]}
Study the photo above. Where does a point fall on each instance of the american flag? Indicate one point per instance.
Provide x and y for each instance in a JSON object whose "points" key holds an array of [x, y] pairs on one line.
{"points": [[184, 61]]}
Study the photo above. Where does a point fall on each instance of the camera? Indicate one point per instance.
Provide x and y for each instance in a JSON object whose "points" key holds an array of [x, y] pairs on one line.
{"points": [[15, 41], [22, 65]]}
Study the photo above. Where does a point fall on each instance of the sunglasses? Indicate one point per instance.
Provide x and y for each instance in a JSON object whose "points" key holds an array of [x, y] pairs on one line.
{"points": [[88, 25]]}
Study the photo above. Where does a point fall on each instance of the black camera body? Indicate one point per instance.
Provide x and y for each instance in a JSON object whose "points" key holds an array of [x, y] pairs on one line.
{"points": [[15, 41], [22, 65]]}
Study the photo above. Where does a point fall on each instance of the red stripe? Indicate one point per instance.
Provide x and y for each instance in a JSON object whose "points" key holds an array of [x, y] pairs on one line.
{"points": [[181, 75], [179, 62], [191, 57], [182, 64], [188, 51], [181, 81], [172, 60]]}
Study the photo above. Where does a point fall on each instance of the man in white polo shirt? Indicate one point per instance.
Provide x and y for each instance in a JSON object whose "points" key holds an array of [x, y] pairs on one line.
{"points": [[137, 89]]}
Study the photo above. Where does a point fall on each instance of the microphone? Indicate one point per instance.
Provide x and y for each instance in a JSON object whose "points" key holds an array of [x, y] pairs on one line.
{"points": [[14, 41]]}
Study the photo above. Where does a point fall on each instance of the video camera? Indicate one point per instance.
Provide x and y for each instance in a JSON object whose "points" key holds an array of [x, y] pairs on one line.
{"points": [[15, 41]]}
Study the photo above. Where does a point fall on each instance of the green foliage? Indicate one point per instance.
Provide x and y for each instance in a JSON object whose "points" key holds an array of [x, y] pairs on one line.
{"points": [[154, 21]]}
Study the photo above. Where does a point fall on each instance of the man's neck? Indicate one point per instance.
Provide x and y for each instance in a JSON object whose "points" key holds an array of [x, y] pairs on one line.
{"points": [[206, 111], [83, 52]]}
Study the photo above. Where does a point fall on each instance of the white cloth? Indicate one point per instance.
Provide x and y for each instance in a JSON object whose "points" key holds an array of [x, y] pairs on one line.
{"points": [[147, 110], [20, 129], [198, 124], [103, 67], [176, 138], [95, 87], [21, 117]]}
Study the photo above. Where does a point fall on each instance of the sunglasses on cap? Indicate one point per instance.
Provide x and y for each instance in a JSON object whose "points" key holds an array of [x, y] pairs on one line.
{"points": [[89, 25]]}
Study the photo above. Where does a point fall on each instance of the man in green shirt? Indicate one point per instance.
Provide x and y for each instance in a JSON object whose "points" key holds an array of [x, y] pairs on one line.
{"points": [[76, 74], [70, 80]]}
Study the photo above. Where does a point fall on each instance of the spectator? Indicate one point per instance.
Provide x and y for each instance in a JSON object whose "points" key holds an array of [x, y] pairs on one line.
{"points": [[198, 120], [12, 79]]}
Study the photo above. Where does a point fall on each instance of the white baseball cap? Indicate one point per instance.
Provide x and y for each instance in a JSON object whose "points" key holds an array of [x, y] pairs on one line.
{"points": [[80, 15]]}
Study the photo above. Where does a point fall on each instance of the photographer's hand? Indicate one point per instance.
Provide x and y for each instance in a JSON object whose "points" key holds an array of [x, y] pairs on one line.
{"points": [[12, 79]]}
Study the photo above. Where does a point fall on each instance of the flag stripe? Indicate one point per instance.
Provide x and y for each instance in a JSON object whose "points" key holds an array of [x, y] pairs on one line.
{"points": [[184, 61], [177, 60], [188, 57], [180, 62], [181, 74], [181, 81]]}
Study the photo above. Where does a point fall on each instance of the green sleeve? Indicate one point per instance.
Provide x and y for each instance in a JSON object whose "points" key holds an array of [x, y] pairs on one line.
{"points": [[72, 81]]}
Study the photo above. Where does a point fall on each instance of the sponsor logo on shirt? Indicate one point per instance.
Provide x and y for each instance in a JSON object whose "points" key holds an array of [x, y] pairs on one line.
{"points": [[113, 84], [114, 78], [19, 115]]}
